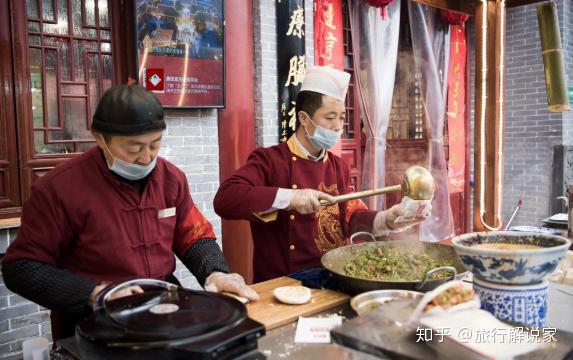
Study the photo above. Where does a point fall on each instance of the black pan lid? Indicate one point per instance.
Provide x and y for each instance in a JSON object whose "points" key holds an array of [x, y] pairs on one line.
{"points": [[159, 315]]}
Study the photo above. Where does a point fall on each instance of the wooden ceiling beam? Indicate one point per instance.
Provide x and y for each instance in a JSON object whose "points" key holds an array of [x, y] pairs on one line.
{"points": [[514, 3], [463, 6]]}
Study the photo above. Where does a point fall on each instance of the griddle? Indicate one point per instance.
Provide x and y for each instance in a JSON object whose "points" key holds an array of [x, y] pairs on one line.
{"points": [[167, 322]]}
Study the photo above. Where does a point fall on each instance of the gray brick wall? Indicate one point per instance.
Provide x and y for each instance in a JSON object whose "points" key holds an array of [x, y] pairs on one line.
{"points": [[265, 43], [265, 55], [567, 37], [191, 143], [531, 130]]}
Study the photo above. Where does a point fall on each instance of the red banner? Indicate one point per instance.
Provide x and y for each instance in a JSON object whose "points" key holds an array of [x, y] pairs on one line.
{"points": [[457, 109], [328, 41]]}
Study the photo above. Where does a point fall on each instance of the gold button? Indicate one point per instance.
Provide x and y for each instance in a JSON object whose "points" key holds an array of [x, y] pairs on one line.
{"points": [[294, 186], [292, 247], [294, 158], [292, 217]]}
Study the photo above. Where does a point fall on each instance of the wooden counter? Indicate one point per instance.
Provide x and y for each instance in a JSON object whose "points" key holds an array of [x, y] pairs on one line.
{"points": [[272, 313]]}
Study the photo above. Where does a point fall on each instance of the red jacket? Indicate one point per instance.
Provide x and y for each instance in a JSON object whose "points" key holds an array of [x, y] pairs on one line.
{"points": [[83, 218], [292, 241]]}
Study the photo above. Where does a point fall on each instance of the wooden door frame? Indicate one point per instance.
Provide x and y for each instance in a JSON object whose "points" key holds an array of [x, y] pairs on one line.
{"points": [[9, 144], [467, 189]]}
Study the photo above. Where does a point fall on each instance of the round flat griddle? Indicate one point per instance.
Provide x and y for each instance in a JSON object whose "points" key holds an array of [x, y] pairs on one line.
{"points": [[163, 315]]}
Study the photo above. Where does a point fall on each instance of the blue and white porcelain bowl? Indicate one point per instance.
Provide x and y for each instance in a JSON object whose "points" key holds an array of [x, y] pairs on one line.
{"points": [[511, 266], [524, 304]]}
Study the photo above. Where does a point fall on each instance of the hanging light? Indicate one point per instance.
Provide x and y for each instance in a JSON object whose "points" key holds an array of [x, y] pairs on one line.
{"points": [[379, 4], [555, 80]]}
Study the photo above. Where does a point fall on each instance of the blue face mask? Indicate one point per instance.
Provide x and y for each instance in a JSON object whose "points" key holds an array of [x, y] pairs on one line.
{"points": [[130, 171], [323, 139]]}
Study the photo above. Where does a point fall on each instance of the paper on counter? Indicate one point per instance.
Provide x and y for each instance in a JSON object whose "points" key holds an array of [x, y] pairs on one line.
{"points": [[466, 328], [315, 330]]}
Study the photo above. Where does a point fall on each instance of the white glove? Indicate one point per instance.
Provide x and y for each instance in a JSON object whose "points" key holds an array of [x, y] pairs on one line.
{"points": [[232, 283], [307, 201], [385, 221]]}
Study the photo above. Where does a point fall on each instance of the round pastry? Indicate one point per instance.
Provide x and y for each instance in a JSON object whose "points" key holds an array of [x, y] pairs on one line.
{"points": [[294, 295]]}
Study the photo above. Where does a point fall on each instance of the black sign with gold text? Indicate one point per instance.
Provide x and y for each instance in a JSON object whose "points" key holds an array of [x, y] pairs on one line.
{"points": [[291, 61]]}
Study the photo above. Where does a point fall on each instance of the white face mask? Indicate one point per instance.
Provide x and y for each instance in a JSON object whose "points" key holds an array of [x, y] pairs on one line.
{"points": [[127, 170], [323, 138]]}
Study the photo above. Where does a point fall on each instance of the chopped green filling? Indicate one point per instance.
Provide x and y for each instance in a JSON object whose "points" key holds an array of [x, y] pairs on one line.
{"points": [[385, 263]]}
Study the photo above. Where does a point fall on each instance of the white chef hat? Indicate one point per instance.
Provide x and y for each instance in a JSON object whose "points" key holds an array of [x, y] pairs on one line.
{"points": [[327, 81]]}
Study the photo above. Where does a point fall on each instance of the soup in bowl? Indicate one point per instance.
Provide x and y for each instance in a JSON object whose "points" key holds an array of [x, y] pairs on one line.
{"points": [[509, 257]]}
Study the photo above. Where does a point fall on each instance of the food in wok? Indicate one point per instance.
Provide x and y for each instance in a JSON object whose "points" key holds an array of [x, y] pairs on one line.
{"points": [[386, 263]]}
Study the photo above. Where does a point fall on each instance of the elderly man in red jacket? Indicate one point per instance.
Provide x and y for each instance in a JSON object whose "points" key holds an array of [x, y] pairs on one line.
{"points": [[117, 211], [279, 188]]}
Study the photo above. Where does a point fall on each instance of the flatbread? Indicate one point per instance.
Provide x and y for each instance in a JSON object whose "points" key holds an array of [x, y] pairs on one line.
{"points": [[243, 300], [294, 295]]}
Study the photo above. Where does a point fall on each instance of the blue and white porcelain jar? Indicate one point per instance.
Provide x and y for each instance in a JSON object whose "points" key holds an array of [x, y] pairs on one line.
{"points": [[525, 304]]}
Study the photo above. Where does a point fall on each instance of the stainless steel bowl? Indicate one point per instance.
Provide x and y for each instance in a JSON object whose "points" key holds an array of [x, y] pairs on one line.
{"points": [[398, 304]]}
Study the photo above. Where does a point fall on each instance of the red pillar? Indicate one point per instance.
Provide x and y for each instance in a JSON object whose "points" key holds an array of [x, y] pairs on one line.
{"points": [[237, 124]]}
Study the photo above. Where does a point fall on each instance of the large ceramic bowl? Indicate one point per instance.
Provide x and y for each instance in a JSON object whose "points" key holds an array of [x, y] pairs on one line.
{"points": [[522, 266], [524, 304]]}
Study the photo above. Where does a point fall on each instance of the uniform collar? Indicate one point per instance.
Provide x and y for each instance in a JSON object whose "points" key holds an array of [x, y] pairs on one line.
{"points": [[298, 149]]}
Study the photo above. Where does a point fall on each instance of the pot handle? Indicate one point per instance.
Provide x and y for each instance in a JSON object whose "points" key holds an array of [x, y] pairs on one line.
{"points": [[360, 233], [451, 269], [103, 296]]}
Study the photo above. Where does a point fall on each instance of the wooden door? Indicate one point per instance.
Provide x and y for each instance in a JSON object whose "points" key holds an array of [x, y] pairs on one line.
{"points": [[352, 137], [61, 52]]}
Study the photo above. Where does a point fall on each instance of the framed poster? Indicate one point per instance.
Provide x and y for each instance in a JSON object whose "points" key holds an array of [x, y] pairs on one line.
{"points": [[180, 51]]}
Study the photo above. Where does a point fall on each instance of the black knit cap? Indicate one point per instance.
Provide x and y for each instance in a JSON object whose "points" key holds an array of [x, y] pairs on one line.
{"points": [[128, 110]]}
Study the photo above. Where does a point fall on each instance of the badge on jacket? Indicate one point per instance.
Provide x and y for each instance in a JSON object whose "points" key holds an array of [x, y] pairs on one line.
{"points": [[164, 213]]}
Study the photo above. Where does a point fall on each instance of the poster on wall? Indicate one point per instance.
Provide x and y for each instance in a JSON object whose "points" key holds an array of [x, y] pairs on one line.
{"points": [[180, 51], [291, 63]]}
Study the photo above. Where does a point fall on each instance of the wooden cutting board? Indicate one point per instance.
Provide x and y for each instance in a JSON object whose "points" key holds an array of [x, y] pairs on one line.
{"points": [[272, 313]]}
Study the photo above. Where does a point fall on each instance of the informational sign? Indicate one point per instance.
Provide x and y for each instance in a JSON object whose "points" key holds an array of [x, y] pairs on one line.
{"points": [[291, 61], [180, 51], [328, 42]]}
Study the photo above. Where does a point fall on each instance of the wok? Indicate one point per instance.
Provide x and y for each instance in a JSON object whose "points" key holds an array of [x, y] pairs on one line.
{"points": [[335, 260]]}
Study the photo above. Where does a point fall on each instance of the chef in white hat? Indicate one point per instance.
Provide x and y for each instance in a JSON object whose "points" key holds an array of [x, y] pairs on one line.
{"points": [[279, 188]]}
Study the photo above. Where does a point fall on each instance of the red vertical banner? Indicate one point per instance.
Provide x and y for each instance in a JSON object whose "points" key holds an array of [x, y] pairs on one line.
{"points": [[328, 42], [457, 108]]}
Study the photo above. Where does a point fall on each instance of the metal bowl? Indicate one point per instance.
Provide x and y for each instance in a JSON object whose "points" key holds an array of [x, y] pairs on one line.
{"points": [[395, 301]]}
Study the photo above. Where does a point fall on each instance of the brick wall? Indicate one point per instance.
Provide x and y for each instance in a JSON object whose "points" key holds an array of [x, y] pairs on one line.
{"points": [[191, 143], [531, 130], [566, 19]]}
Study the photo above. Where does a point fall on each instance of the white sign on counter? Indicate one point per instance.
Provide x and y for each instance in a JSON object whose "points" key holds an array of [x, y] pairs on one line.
{"points": [[315, 330]]}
